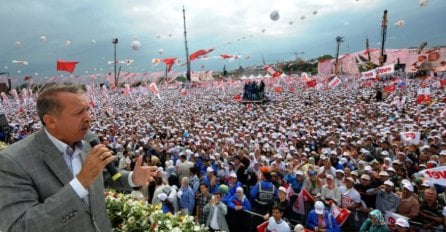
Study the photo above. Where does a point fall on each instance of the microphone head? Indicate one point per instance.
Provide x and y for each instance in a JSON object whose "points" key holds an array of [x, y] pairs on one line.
{"points": [[92, 138]]}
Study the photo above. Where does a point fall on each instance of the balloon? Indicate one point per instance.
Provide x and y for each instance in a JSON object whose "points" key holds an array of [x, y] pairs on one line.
{"points": [[423, 2], [161, 51], [263, 30], [274, 15], [158, 36], [6, 67], [315, 12], [302, 17], [19, 71], [170, 35], [18, 44], [67, 43], [43, 38], [93, 41], [136, 45], [400, 23], [291, 22], [36, 74]]}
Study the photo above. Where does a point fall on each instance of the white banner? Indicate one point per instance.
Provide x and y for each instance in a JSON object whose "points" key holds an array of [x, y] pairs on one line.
{"points": [[335, 82], [410, 137], [368, 75], [388, 69], [391, 218], [435, 175]]}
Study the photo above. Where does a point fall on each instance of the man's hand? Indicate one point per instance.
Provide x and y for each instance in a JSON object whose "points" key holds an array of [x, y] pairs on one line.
{"points": [[142, 175], [94, 164]]}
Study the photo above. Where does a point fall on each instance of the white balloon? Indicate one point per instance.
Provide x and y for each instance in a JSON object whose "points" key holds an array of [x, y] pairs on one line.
{"points": [[19, 71], [136, 45], [6, 67], [93, 41], [274, 15], [161, 51], [18, 44], [400, 23], [423, 2], [67, 43], [43, 38], [36, 74]]}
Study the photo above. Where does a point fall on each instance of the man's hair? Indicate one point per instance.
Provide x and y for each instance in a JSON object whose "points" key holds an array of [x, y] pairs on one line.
{"points": [[276, 206], [47, 101]]}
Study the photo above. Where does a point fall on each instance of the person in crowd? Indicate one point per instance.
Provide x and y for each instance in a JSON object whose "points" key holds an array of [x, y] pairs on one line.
{"points": [[351, 199], [402, 225], [409, 205], [202, 199], [374, 223], [283, 203], [329, 192], [53, 178], [320, 219], [431, 210], [276, 222], [386, 199], [186, 197], [216, 211], [166, 205], [264, 193]]}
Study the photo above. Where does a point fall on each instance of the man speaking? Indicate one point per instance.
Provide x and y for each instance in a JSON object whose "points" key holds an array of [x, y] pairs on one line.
{"points": [[52, 180]]}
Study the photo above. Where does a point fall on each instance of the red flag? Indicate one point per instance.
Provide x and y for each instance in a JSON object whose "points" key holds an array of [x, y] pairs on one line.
{"points": [[237, 97], [443, 83], [299, 205], [340, 214], [262, 227], [311, 83], [26, 78], [67, 66], [199, 53], [389, 88], [169, 62], [307, 195], [226, 56], [278, 89], [423, 98]]}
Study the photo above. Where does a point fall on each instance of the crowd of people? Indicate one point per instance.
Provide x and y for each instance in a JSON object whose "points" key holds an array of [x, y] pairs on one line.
{"points": [[233, 167]]}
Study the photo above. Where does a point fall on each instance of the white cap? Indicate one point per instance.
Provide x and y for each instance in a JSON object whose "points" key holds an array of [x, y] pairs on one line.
{"points": [[402, 222], [233, 175], [389, 183], [383, 173], [300, 173], [408, 186], [283, 189], [385, 153], [162, 196], [443, 152], [364, 176], [319, 207], [209, 169], [390, 169], [368, 168]]}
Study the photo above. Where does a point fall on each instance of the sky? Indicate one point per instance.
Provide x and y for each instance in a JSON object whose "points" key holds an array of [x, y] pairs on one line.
{"points": [[37, 31]]}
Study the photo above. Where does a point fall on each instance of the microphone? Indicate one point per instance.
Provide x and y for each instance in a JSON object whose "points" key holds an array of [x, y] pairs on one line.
{"points": [[93, 140]]}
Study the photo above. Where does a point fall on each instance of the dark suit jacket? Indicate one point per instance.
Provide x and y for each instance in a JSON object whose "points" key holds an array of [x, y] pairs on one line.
{"points": [[35, 194]]}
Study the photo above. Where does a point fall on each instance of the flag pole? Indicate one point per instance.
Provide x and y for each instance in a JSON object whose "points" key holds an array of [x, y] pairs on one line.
{"points": [[187, 50]]}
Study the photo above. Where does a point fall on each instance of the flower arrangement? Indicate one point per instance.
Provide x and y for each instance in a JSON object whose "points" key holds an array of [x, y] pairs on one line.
{"points": [[126, 213]]}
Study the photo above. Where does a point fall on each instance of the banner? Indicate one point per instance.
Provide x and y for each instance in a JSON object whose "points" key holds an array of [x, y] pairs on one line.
{"points": [[410, 137], [335, 82], [388, 69], [435, 175], [391, 218], [368, 75]]}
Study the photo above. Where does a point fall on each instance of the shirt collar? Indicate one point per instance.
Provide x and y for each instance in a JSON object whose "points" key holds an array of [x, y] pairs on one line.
{"points": [[61, 146]]}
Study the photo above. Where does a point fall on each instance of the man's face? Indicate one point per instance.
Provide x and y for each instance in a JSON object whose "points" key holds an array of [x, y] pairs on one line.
{"points": [[277, 215], [71, 124]]}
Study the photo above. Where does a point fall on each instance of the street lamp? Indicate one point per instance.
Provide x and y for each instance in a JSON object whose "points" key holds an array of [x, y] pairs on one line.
{"points": [[115, 41], [339, 40]]}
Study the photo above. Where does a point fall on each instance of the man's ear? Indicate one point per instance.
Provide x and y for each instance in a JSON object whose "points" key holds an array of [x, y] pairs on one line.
{"points": [[49, 121]]}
